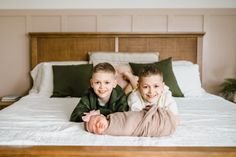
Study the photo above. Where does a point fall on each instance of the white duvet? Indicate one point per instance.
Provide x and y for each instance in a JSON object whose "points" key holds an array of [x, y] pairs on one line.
{"points": [[206, 121]]}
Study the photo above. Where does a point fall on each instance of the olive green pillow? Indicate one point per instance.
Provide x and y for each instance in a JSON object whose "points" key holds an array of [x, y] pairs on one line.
{"points": [[169, 78], [71, 80]]}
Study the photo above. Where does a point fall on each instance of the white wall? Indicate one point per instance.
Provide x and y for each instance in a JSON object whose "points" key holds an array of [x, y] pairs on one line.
{"points": [[114, 4]]}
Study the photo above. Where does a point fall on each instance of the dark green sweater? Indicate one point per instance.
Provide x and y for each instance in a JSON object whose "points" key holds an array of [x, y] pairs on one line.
{"points": [[88, 102]]}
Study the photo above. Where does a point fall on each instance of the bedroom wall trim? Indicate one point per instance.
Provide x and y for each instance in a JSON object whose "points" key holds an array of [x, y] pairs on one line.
{"points": [[219, 24]]}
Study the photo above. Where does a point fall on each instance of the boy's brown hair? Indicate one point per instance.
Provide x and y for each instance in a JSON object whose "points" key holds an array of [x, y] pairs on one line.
{"points": [[149, 70], [105, 67]]}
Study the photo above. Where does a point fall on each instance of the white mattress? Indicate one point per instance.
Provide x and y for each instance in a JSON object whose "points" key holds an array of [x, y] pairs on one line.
{"points": [[206, 121]]}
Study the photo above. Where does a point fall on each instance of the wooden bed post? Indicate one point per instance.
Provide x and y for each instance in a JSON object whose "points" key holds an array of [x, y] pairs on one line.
{"points": [[199, 54], [34, 51], [116, 44]]}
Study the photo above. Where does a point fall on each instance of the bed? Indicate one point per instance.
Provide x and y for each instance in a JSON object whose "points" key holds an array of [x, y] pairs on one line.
{"points": [[38, 125]]}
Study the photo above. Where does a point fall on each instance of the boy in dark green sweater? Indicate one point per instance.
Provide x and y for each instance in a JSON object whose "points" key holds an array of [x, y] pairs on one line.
{"points": [[104, 95]]}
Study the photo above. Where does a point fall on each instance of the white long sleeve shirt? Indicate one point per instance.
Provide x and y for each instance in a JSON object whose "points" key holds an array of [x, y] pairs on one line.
{"points": [[136, 102]]}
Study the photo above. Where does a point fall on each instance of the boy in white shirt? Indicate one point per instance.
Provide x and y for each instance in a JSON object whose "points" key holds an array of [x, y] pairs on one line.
{"points": [[151, 91]]}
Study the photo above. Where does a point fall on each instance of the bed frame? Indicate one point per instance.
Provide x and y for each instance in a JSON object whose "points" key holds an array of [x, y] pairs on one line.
{"points": [[75, 46]]}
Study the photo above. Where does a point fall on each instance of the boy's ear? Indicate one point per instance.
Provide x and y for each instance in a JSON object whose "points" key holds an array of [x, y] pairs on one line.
{"points": [[138, 84], [163, 83], [91, 83], [114, 83]]}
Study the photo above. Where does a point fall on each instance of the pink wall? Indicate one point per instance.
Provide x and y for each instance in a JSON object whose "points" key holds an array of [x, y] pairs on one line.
{"points": [[219, 48]]}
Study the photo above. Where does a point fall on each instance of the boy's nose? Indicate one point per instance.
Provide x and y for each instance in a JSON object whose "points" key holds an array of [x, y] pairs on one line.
{"points": [[150, 90], [101, 85]]}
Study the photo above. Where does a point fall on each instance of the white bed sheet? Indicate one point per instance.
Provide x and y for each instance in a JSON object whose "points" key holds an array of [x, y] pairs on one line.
{"points": [[206, 121]]}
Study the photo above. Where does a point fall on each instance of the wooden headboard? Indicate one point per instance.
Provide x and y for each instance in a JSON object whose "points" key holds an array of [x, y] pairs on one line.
{"points": [[75, 46]]}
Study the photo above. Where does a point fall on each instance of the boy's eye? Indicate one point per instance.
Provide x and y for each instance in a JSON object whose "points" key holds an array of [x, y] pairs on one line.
{"points": [[97, 82], [107, 82], [156, 86], [145, 87]]}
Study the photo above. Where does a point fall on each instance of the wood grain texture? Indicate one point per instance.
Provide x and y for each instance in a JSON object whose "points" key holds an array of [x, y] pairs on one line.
{"points": [[75, 46], [116, 151]]}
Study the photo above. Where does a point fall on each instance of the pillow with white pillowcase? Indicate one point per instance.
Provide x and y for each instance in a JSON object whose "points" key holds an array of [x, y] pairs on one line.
{"points": [[42, 76], [188, 79], [181, 62], [119, 58], [36, 75]]}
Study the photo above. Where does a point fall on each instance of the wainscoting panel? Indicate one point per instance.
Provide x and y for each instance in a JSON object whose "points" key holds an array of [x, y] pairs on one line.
{"points": [[186, 23], [46, 23], [115, 23], [219, 26], [81, 23], [150, 23]]}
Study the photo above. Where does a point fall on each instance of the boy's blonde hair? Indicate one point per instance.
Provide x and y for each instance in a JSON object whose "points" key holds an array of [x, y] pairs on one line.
{"points": [[105, 67], [150, 70]]}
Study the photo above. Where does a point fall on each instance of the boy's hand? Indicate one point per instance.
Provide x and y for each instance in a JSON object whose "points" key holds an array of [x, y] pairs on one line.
{"points": [[87, 115]]}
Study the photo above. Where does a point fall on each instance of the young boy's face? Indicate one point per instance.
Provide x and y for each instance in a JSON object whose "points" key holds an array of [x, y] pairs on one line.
{"points": [[103, 84], [151, 88], [97, 124]]}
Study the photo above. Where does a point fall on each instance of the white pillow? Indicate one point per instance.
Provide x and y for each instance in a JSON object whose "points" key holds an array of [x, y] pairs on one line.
{"points": [[42, 76], [181, 62], [36, 75], [188, 79], [118, 58]]}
